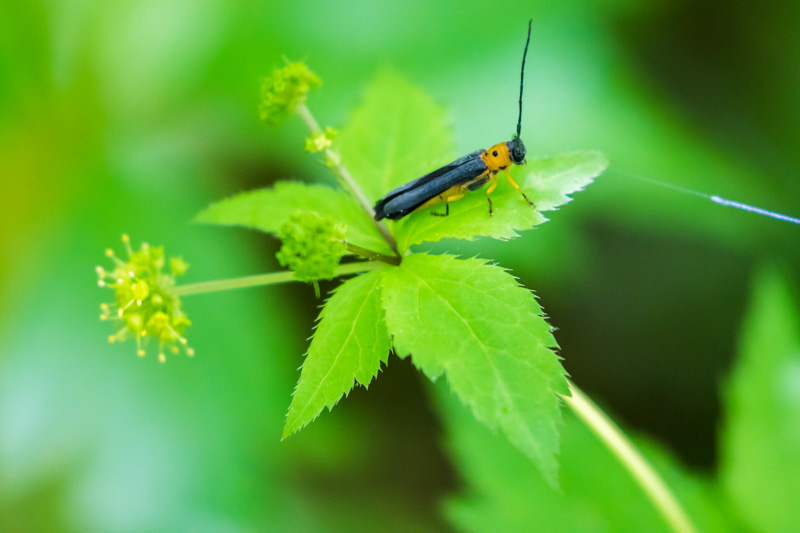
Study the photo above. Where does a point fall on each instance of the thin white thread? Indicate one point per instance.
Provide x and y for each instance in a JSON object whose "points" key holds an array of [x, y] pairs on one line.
{"points": [[744, 207], [722, 201]]}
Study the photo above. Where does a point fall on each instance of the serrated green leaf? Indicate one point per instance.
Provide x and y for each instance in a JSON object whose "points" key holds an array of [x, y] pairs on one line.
{"points": [[268, 209], [761, 437], [349, 345], [503, 492], [552, 179], [473, 322], [545, 180], [398, 134]]}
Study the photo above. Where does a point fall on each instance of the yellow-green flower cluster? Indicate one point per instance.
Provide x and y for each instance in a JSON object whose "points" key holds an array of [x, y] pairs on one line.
{"points": [[286, 89], [144, 305], [321, 140], [312, 247]]}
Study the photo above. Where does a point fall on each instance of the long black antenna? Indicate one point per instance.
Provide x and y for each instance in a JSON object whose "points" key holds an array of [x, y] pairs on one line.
{"points": [[522, 77]]}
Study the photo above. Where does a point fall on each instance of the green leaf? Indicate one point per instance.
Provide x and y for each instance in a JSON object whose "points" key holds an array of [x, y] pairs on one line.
{"points": [[761, 436], [552, 179], [475, 323], [546, 181], [503, 492], [349, 345], [398, 134], [268, 209]]}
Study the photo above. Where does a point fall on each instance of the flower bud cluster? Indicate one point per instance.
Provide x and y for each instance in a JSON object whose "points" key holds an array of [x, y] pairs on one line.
{"points": [[312, 247], [285, 90]]}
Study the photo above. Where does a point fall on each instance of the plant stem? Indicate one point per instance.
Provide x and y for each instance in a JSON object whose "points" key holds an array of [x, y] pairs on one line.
{"points": [[372, 256], [271, 278], [347, 178], [631, 459]]}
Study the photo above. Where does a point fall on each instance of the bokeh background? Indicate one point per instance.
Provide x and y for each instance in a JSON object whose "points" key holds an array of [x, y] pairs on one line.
{"points": [[132, 116]]}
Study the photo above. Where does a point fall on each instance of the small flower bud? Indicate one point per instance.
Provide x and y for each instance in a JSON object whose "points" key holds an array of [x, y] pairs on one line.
{"points": [[319, 141], [178, 266]]}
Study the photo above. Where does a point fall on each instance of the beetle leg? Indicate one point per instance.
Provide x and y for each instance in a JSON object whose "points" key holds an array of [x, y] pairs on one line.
{"points": [[514, 184], [446, 206], [490, 190], [455, 197], [447, 200]]}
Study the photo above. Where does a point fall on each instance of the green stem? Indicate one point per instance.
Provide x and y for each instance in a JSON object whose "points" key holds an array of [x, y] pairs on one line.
{"points": [[372, 256], [347, 178], [631, 459], [271, 278]]}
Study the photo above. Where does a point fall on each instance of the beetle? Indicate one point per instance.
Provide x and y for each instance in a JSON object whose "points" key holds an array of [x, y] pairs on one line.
{"points": [[469, 173]]}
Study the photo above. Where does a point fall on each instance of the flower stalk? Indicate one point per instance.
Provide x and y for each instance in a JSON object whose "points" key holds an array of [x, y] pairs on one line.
{"points": [[335, 161], [271, 278]]}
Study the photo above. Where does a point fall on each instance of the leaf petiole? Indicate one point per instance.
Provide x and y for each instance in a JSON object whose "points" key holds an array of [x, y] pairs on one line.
{"points": [[371, 255]]}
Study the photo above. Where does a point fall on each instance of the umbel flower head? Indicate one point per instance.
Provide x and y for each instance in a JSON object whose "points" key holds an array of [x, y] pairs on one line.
{"points": [[144, 305], [312, 247], [286, 89]]}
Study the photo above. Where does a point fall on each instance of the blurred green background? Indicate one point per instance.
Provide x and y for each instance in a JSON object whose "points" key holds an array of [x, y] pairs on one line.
{"points": [[132, 116]]}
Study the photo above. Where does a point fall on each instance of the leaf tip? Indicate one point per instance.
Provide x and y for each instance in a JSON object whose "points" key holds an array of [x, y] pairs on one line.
{"points": [[288, 430]]}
